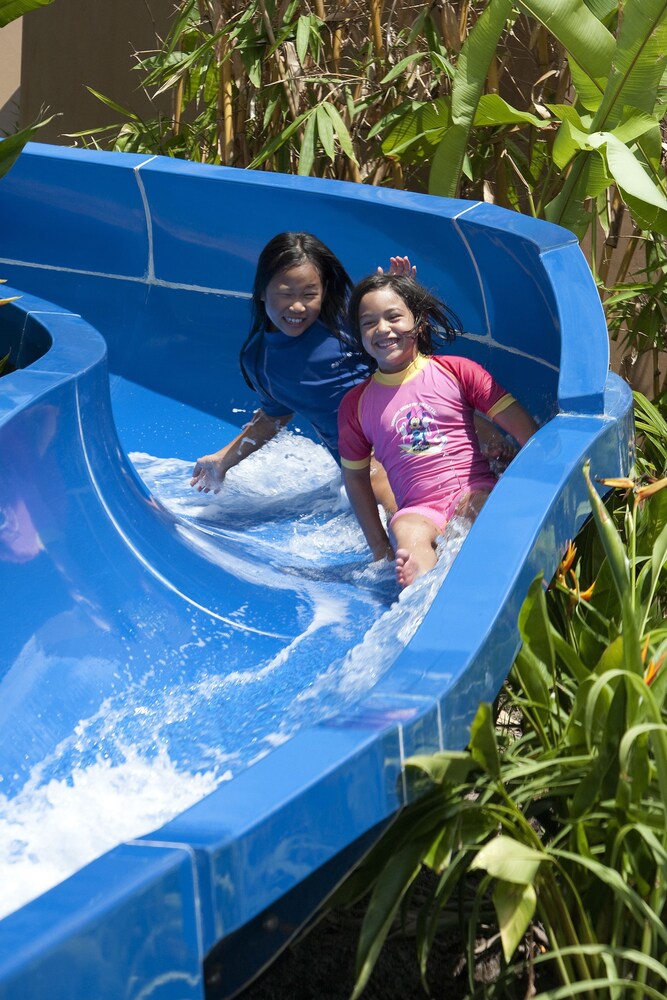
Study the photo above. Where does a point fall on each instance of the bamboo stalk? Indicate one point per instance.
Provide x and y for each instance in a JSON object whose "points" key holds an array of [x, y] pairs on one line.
{"points": [[493, 76], [463, 21], [178, 104], [226, 96], [289, 94], [449, 27], [225, 110], [656, 371], [336, 46], [376, 27], [354, 172], [397, 175], [617, 210], [626, 260], [542, 49]]}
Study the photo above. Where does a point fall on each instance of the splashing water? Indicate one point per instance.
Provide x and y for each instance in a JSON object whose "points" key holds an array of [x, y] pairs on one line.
{"points": [[167, 733]]}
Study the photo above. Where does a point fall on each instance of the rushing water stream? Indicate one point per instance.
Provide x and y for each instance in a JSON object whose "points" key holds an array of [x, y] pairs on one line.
{"points": [[168, 731]]}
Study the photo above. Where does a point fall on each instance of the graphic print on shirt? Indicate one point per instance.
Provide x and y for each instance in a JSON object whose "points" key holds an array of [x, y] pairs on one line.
{"points": [[417, 426]]}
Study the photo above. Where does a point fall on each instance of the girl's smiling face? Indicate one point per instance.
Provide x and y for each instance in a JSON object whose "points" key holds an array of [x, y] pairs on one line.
{"points": [[293, 299], [387, 330]]}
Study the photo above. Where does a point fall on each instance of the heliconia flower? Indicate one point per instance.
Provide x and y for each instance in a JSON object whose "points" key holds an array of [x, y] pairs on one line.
{"points": [[623, 483], [652, 670], [617, 557], [579, 595], [647, 491], [568, 559]]}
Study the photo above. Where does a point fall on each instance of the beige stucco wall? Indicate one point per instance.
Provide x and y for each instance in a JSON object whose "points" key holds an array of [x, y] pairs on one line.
{"points": [[10, 76], [74, 44]]}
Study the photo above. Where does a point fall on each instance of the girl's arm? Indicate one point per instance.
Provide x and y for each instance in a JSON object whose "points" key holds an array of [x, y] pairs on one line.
{"points": [[210, 470], [362, 499], [517, 422]]}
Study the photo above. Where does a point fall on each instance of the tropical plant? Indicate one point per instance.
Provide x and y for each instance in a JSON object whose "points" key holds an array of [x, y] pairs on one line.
{"points": [[563, 827], [651, 427], [10, 148], [4, 360], [284, 86], [584, 149], [635, 308], [551, 107]]}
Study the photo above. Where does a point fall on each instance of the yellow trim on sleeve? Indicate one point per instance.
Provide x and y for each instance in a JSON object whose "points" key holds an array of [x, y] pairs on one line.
{"points": [[363, 464], [501, 405]]}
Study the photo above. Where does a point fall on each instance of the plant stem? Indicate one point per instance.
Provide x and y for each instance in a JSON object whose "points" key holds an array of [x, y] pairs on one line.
{"points": [[376, 28], [289, 94]]}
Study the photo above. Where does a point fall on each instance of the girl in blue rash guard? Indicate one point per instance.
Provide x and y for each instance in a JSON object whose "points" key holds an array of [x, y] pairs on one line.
{"points": [[297, 356]]}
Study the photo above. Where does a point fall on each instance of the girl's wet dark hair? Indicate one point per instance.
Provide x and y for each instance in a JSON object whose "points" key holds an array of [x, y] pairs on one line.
{"points": [[288, 250], [435, 323]]}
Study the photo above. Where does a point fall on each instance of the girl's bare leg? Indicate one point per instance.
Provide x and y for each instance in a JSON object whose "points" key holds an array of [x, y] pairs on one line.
{"points": [[414, 538], [414, 544], [381, 488]]}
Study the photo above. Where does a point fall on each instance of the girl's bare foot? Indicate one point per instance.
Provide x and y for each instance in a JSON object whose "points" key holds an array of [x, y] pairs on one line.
{"points": [[407, 568]]}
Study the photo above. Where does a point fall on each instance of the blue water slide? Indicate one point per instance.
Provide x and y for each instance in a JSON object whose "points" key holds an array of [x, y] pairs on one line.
{"points": [[206, 701]]}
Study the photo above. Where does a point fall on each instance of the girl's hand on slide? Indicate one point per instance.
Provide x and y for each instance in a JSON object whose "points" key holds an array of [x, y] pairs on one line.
{"points": [[207, 475], [400, 265]]}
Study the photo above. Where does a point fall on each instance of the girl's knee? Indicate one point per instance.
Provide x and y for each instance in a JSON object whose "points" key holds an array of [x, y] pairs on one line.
{"points": [[412, 530]]}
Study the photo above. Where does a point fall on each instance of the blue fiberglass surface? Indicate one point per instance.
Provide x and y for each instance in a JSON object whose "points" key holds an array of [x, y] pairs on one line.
{"points": [[206, 701]]}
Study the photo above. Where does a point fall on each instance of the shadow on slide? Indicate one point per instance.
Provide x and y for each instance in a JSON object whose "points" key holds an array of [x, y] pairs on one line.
{"points": [[206, 701]]}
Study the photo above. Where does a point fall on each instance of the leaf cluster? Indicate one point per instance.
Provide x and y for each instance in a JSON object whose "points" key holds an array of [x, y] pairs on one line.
{"points": [[10, 147], [554, 108], [559, 820], [283, 86]]}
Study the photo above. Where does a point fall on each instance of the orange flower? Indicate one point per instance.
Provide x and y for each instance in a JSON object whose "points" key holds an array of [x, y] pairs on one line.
{"points": [[646, 491], [568, 559], [651, 671], [619, 484]]}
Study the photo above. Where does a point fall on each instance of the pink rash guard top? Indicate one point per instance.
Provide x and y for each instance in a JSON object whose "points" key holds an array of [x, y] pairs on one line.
{"points": [[419, 423]]}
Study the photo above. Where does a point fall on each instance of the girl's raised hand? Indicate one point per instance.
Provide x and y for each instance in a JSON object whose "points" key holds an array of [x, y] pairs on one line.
{"points": [[400, 265]]}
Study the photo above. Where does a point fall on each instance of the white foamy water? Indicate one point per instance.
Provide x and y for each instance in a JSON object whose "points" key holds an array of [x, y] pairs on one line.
{"points": [[167, 732], [50, 831]]}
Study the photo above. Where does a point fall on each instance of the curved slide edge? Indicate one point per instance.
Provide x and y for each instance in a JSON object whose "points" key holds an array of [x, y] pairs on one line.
{"points": [[246, 847], [158, 905]]}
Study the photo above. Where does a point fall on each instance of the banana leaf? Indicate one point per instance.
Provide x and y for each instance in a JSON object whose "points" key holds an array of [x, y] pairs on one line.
{"points": [[473, 64], [11, 9]]}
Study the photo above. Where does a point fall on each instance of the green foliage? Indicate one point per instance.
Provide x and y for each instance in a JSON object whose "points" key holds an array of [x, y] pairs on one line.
{"points": [[11, 147], [554, 108], [10, 10], [558, 820], [4, 361], [275, 87], [651, 427], [636, 309], [609, 135]]}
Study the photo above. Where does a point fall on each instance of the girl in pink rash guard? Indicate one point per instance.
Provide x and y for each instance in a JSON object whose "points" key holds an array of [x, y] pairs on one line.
{"points": [[415, 414]]}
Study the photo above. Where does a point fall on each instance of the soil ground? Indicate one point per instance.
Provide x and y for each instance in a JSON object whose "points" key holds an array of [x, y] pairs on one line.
{"points": [[320, 965]]}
